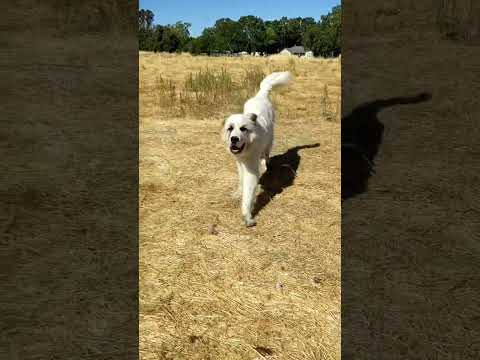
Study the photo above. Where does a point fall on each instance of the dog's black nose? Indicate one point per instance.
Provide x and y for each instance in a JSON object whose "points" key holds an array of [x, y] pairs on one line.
{"points": [[234, 139]]}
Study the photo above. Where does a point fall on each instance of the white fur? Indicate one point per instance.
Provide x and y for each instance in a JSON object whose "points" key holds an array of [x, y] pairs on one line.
{"points": [[249, 137]]}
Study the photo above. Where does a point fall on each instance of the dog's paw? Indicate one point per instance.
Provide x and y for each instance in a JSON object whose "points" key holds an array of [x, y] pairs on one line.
{"points": [[250, 222]]}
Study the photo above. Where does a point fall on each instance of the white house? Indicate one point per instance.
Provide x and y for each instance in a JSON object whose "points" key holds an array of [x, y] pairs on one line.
{"points": [[293, 51], [309, 54]]}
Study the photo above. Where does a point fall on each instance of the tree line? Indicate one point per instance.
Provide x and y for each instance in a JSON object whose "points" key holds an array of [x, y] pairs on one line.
{"points": [[250, 33]]}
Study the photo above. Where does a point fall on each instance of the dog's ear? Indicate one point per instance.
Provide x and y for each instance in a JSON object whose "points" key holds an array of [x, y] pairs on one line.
{"points": [[252, 117], [223, 132]]}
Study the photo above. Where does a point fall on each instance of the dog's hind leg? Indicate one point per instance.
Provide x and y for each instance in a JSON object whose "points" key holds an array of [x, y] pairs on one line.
{"points": [[264, 163], [266, 158], [268, 151], [250, 182]]}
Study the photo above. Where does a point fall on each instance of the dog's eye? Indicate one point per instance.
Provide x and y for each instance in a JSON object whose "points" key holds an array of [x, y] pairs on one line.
{"points": [[243, 129], [230, 128]]}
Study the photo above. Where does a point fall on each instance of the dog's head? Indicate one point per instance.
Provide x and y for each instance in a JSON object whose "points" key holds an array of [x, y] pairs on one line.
{"points": [[239, 132]]}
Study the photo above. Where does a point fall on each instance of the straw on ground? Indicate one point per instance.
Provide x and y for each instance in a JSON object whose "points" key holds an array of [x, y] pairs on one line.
{"points": [[210, 288]]}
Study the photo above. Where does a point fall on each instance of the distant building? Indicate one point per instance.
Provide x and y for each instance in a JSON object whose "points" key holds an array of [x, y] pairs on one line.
{"points": [[225, 53], [293, 51], [309, 54], [243, 53]]}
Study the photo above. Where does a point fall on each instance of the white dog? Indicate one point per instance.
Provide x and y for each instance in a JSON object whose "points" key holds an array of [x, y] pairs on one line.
{"points": [[249, 137]]}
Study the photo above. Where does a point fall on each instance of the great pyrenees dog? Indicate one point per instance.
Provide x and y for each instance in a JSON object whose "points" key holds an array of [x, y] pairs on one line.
{"points": [[249, 138]]}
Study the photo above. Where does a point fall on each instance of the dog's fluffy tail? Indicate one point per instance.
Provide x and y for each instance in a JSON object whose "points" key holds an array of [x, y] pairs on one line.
{"points": [[272, 80]]}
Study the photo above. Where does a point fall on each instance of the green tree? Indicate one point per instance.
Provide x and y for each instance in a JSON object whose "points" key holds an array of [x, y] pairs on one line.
{"points": [[228, 36], [253, 29], [294, 31], [145, 29], [182, 31], [249, 33], [207, 41], [272, 40], [155, 41], [170, 40], [195, 46], [145, 19], [324, 37], [281, 28]]}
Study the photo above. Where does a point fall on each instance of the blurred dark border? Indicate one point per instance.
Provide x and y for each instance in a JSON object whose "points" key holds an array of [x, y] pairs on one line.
{"points": [[410, 171], [69, 180]]}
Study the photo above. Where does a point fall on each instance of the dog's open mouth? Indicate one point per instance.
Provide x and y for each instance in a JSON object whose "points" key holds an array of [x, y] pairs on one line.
{"points": [[235, 149]]}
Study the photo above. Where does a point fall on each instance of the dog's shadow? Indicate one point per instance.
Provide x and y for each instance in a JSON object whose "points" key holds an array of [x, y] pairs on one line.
{"points": [[362, 135], [280, 174]]}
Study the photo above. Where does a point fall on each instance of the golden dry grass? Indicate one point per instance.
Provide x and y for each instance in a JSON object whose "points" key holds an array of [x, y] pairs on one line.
{"points": [[209, 287]]}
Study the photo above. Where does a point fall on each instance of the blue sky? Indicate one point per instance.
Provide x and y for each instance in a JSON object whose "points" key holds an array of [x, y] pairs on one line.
{"points": [[204, 13]]}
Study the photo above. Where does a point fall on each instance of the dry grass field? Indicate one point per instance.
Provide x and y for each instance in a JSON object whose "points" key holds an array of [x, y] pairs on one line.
{"points": [[209, 287]]}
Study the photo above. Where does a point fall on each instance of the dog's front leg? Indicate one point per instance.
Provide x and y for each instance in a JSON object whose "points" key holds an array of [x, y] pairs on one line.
{"points": [[238, 193], [250, 181]]}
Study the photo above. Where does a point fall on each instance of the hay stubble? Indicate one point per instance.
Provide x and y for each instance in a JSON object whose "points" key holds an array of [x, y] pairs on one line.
{"points": [[210, 288]]}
